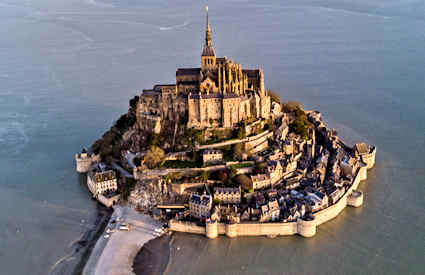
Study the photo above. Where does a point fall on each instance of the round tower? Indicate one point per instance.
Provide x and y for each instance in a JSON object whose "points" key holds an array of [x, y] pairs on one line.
{"points": [[211, 229], [306, 228]]}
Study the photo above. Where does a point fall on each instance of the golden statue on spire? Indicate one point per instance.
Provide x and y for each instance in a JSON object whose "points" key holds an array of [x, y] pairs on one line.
{"points": [[208, 30]]}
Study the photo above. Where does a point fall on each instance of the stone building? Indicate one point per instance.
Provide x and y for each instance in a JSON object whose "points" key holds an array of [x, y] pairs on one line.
{"points": [[366, 153], [200, 206], [260, 181], [227, 195], [275, 171], [100, 182], [270, 211], [212, 156], [218, 94]]}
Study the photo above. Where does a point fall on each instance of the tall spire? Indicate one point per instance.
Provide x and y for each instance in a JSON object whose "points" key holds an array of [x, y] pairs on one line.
{"points": [[208, 30]]}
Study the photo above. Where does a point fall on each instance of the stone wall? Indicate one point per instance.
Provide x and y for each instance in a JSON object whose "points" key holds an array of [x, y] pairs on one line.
{"points": [[189, 227], [108, 202], [300, 227], [254, 140], [181, 187]]}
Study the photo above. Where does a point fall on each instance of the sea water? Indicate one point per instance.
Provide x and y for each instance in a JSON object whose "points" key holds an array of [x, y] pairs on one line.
{"points": [[68, 69]]}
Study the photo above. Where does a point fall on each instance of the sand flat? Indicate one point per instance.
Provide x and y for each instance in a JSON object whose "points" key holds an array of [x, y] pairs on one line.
{"points": [[114, 256]]}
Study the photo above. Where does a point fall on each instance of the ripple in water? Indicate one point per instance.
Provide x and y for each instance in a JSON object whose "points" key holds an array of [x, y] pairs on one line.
{"points": [[13, 136]]}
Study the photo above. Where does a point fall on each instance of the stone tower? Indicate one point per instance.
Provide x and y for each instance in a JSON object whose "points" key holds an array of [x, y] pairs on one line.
{"points": [[208, 58]]}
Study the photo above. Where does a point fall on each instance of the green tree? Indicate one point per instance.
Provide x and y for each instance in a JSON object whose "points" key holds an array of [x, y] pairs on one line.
{"points": [[199, 136], [238, 150], [133, 102], [232, 173], [154, 156], [222, 176], [274, 96], [154, 140], [241, 133], [137, 161], [291, 106], [205, 175], [244, 181], [299, 127]]}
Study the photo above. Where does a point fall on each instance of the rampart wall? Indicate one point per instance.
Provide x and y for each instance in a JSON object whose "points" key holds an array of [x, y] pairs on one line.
{"points": [[140, 173], [234, 141], [300, 227]]}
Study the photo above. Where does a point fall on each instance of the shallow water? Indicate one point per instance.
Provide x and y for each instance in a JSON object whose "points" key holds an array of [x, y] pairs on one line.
{"points": [[69, 67]]}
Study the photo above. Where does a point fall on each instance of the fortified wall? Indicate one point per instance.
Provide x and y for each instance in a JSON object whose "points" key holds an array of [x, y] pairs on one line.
{"points": [[301, 227], [84, 161]]}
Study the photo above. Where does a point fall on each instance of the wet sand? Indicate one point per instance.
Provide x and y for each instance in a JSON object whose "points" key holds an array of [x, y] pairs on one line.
{"points": [[75, 262], [153, 257]]}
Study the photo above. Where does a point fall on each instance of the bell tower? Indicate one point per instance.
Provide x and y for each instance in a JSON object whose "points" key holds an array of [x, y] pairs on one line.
{"points": [[208, 53]]}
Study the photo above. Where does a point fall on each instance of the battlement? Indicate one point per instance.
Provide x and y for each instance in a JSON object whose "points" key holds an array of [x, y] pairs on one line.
{"points": [[85, 160]]}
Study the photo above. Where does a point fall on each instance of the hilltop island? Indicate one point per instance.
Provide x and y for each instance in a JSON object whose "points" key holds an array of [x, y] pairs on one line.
{"points": [[218, 154]]}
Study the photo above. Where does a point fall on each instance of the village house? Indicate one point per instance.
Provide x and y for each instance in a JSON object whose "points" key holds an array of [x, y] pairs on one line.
{"points": [[336, 195], [318, 199], [227, 195], [212, 156], [200, 206], [260, 181], [270, 211], [275, 171], [226, 214], [101, 181]]}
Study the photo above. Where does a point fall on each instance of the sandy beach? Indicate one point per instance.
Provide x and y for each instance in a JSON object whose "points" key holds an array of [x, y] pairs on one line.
{"points": [[115, 255]]}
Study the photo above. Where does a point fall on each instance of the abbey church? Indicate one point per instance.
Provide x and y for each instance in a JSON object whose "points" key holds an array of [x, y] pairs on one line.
{"points": [[219, 94]]}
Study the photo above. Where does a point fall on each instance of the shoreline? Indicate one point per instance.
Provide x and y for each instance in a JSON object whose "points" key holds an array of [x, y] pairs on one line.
{"points": [[154, 257], [99, 229], [116, 254], [83, 246]]}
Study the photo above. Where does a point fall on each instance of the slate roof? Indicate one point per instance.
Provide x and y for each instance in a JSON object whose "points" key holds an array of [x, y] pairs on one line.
{"points": [[208, 51], [188, 71]]}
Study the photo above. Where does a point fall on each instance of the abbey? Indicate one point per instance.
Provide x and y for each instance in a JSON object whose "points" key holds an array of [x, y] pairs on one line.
{"points": [[219, 94]]}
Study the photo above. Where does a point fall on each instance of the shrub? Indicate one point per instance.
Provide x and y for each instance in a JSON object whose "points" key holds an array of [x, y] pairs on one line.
{"points": [[241, 133], [125, 121], [274, 96], [222, 176], [300, 124], [244, 181], [204, 175], [133, 102], [238, 150], [137, 161], [154, 156], [291, 106], [153, 140]]}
